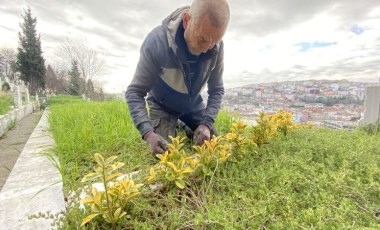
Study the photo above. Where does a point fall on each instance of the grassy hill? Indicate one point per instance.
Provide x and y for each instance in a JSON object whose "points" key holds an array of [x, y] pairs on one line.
{"points": [[309, 179]]}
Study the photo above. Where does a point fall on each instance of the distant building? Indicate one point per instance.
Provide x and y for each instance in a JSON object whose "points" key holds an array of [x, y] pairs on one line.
{"points": [[289, 97], [315, 105], [314, 91], [247, 92]]}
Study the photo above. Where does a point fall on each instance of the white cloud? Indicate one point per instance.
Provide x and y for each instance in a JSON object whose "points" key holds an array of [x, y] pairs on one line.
{"points": [[266, 41]]}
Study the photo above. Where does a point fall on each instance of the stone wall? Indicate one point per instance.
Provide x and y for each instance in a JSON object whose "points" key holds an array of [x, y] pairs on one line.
{"points": [[16, 115], [372, 106]]}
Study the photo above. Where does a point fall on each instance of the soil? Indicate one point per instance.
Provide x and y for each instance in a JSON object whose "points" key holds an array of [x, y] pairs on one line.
{"points": [[13, 142]]}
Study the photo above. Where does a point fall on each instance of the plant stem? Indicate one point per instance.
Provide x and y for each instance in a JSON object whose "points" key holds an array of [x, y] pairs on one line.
{"points": [[106, 191]]}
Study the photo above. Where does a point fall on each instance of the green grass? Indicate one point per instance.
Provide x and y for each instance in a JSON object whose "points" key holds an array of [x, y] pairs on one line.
{"points": [[81, 128], [6, 101], [310, 179]]}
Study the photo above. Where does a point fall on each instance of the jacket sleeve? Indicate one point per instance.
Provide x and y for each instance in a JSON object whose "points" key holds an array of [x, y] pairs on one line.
{"points": [[146, 73], [215, 90]]}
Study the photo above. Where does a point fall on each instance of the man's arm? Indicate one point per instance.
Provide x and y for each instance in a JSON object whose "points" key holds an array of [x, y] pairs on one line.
{"points": [[215, 90], [146, 74]]}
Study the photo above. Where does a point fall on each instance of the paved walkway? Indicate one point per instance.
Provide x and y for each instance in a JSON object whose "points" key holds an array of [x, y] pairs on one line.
{"points": [[33, 186], [13, 142]]}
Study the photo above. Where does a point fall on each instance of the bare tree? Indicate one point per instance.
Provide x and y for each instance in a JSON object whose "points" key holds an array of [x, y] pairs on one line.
{"points": [[8, 62], [90, 65], [56, 81], [2, 61]]}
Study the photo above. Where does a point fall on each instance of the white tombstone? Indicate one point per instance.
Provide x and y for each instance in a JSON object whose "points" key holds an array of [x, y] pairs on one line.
{"points": [[17, 97], [36, 96], [27, 99], [83, 96], [372, 106]]}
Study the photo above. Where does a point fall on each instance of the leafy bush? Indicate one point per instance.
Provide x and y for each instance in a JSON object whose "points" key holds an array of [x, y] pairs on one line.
{"points": [[5, 87], [112, 203], [6, 102], [371, 128]]}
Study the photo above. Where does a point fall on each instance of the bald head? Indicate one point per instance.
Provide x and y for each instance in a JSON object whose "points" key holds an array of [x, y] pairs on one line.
{"points": [[217, 11]]}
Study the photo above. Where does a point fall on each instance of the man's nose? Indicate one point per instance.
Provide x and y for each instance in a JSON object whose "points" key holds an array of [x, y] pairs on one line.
{"points": [[207, 47]]}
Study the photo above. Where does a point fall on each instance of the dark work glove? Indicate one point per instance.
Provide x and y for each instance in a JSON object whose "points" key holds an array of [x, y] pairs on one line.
{"points": [[201, 133], [157, 143]]}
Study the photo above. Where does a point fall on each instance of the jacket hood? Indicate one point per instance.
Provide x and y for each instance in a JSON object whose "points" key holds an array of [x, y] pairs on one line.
{"points": [[171, 24]]}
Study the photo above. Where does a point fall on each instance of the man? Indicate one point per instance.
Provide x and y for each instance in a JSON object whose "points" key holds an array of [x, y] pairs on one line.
{"points": [[178, 59]]}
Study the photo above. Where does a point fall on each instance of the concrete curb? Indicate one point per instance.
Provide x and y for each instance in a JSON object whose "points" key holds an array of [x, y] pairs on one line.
{"points": [[33, 186]]}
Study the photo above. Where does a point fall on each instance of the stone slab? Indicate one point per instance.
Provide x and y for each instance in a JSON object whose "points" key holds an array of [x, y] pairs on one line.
{"points": [[372, 106]]}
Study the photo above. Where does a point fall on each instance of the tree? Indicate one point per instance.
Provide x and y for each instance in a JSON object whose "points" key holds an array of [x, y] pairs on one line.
{"points": [[2, 61], [50, 79], [30, 62], [56, 83], [101, 95], [90, 64], [8, 61], [90, 89], [76, 83]]}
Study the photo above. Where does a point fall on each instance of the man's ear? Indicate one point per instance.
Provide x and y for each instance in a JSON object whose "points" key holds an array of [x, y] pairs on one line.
{"points": [[186, 19]]}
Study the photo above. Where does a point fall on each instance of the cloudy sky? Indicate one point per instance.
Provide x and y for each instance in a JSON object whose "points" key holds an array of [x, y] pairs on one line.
{"points": [[271, 40]]}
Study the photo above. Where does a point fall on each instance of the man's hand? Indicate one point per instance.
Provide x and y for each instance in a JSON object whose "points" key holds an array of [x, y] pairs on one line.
{"points": [[157, 143], [201, 133]]}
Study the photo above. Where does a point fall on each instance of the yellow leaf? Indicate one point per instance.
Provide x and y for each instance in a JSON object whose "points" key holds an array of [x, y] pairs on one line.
{"points": [[117, 213], [90, 177], [88, 218], [98, 198], [87, 200], [110, 160], [113, 176], [187, 170], [117, 165], [171, 165], [99, 158]]}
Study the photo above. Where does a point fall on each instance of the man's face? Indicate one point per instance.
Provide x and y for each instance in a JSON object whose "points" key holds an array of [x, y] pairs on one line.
{"points": [[201, 35]]}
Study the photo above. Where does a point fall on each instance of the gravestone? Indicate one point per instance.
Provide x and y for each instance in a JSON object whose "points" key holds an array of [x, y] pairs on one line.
{"points": [[27, 99], [17, 97], [372, 106]]}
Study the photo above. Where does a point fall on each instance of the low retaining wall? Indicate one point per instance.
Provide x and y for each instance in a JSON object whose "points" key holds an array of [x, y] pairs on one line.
{"points": [[16, 115]]}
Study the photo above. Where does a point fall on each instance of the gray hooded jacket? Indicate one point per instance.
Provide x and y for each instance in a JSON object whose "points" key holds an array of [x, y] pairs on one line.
{"points": [[162, 72]]}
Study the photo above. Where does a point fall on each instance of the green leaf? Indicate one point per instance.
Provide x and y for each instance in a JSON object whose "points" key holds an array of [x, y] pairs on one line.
{"points": [[89, 218], [169, 176], [180, 183]]}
